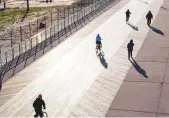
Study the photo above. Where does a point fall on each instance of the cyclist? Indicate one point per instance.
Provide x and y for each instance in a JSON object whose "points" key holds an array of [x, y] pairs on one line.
{"points": [[37, 104], [98, 42], [127, 15]]}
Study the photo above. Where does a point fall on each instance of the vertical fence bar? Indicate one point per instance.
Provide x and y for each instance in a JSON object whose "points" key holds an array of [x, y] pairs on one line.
{"points": [[37, 25], [51, 36], [11, 39], [0, 49], [45, 22], [25, 46], [12, 53], [64, 21], [41, 41], [58, 30], [54, 33], [19, 49], [21, 33], [6, 57], [58, 23], [73, 9], [30, 29], [1, 59], [51, 18], [45, 38]]}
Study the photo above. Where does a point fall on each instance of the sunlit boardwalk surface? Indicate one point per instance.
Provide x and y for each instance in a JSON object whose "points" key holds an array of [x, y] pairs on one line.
{"points": [[73, 80]]}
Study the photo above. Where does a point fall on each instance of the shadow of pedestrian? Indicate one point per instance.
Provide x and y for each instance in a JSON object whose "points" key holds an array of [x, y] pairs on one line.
{"points": [[133, 27], [144, 2], [102, 60], [163, 8], [138, 68], [157, 30]]}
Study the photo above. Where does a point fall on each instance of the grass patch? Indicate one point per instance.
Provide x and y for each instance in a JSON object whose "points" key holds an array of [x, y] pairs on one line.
{"points": [[11, 15]]}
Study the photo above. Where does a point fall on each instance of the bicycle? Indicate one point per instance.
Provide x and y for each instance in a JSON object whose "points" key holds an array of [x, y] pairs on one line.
{"points": [[98, 48], [45, 115]]}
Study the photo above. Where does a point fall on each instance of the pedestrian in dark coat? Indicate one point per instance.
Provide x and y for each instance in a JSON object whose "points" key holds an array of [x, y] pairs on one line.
{"points": [[127, 15], [130, 48], [149, 16]]}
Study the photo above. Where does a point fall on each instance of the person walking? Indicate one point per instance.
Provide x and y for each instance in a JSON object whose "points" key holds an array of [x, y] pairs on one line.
{"points": [[130, 48], [37, 104], [149, 16], [127, 15]]}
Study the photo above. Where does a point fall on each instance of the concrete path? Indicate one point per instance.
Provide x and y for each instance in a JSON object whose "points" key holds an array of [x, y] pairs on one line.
{"points": [[141, 96], [72, 79]]}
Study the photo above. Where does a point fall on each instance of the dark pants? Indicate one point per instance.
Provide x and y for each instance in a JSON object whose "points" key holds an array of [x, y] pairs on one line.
{"points": [[38, 113], [148, 22], [130, 53], [127, 18]]}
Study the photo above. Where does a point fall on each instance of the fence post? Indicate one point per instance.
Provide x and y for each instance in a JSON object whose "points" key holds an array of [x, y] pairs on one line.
{"points": [[30, 29], [37, 25], [81, 4], [25, 47], [6, 57], [41, 40], [45, 38], [68, 11], [54, 33], [64, 20], [1, 59], [12, 53], [73, 9], [51, 36], [51, 19], [45, 22], [58, 23], [11, 39], [21, 33], [19, 49]]}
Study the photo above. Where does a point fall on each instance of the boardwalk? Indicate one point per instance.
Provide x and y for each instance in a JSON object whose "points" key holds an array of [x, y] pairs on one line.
{"points": [[72, 79]]}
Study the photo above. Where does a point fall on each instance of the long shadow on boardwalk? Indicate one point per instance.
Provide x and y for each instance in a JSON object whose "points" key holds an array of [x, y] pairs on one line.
{"points": [[102, 60], [138, 68], [133, 27], [144, 2], [157, 30]]}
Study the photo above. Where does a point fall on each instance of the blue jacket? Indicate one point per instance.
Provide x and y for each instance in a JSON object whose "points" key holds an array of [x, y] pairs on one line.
{"points": [[98, 38]]}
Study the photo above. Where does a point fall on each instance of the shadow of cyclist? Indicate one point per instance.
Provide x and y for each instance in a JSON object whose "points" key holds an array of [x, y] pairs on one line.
{"points": [[102, 59]]}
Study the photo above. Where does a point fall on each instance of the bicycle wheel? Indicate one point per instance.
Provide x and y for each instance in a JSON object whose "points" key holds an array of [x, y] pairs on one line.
{"points": [[45, 114]]}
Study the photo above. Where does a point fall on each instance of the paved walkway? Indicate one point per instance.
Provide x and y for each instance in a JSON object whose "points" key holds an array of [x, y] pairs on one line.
{"points": [[141, 96], [73, 80]]}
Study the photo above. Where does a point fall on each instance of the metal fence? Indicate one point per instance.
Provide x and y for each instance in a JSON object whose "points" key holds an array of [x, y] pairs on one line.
{"points": [[14, 35], [50, 34]]}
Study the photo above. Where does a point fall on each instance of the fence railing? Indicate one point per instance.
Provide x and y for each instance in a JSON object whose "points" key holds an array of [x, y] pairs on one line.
{"points": [[19, 32], [50, 34]]}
